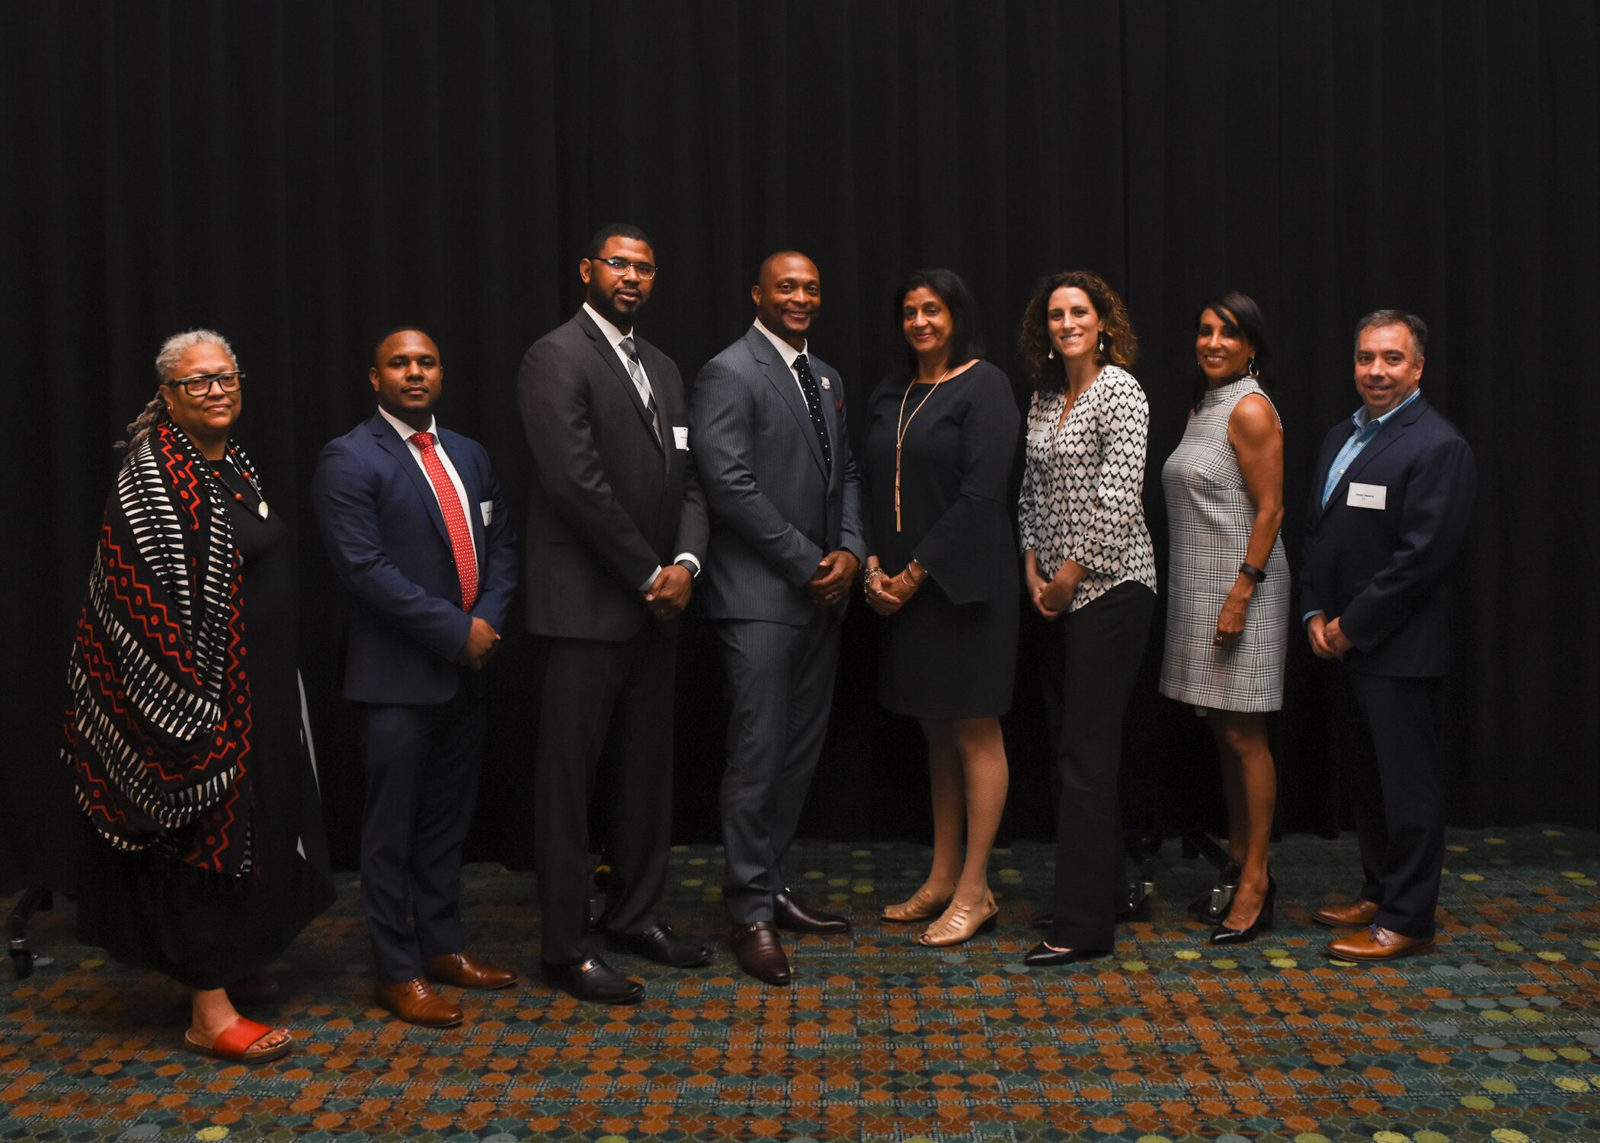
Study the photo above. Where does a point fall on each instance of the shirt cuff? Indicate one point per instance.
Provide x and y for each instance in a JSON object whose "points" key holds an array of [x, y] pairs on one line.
{"points": [[1306, 618], [650, 581]]}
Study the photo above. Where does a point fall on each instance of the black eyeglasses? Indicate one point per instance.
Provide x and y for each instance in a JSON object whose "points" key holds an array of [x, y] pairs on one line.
{"points": [[200, 384], [645, 270]]}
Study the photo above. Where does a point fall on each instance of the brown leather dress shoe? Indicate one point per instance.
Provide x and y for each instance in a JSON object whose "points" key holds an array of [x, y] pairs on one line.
{"points": [[462, 971], [789, 912], [415, 1003], [760, 953], [1358, 914], [1378, 943]]}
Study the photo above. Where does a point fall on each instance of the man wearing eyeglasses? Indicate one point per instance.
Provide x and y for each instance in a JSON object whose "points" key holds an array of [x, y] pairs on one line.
{"points": [[616, 531], [417, 532]]}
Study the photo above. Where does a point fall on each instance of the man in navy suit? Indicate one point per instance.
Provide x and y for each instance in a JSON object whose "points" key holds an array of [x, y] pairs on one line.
{"points": [[616, 530], [784, 497], [1391, 495], [416, 530]]}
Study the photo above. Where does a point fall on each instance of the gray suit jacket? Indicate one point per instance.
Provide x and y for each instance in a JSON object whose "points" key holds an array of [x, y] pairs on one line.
{"points": [[776, 509], [606, 504]]}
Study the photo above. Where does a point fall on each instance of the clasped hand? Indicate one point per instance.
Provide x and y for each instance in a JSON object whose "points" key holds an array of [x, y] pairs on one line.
{"points": [[828, 584], [670, 593], [482, 642]]}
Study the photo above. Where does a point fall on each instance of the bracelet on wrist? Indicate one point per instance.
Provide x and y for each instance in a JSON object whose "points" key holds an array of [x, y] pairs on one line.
{"points": [[1250, 571]]}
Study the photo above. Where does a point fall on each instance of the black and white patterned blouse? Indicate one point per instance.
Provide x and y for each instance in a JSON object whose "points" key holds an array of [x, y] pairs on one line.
{"points": [[1081, 488]]}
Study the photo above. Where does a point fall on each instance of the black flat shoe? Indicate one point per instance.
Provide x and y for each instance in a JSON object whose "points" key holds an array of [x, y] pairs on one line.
{"points": [[662, 945], [594, 980], [1042, 955], [1222, 935]]}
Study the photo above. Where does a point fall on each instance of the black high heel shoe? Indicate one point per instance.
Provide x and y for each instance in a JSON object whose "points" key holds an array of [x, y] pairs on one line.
{"points": [[1222, 935]]}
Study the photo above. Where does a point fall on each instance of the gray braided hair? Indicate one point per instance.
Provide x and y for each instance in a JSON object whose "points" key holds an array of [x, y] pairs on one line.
{"points": [[167, 358]]}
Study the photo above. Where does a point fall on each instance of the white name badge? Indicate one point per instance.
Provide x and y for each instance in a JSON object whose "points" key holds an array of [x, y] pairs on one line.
{"points": [[1367, 496], [486, 508], [680, 436]]}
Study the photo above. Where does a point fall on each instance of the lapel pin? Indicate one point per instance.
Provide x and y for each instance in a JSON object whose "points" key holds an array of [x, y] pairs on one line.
{"points": [[826, 382]]}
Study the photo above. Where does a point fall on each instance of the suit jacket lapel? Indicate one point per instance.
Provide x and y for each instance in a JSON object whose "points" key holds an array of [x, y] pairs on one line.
{"points": [[782, 379], [456, 447], [389, 441], [620, 372], [1387, 436]]}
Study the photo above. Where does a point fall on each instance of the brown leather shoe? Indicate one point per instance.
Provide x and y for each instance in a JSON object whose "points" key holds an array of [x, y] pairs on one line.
{"points": [[760, 953], [415, 1003], [462, 971], [789, 912], [1358, 914], [1378, 943]]}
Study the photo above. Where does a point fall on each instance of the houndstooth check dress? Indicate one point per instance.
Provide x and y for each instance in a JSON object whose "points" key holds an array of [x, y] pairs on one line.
{"points": [[1209, 517]]}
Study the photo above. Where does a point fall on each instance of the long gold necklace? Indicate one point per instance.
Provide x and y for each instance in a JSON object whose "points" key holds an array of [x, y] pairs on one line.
{"points": [[902, 425]]}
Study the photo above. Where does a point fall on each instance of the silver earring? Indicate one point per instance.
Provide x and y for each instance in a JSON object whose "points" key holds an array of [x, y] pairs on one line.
{"points": [[1052, 354], [1251, 368], [1102, 342]]}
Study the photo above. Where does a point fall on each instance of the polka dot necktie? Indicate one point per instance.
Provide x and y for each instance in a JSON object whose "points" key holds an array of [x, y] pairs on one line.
{"points": [[808, 386], [454, 519]]}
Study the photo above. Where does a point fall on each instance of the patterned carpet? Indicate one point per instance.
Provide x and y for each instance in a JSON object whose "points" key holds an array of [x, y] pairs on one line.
{"points": [[1495, 1036]]}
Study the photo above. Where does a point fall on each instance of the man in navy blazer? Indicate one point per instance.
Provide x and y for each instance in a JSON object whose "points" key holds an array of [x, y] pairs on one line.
{"points": [[774, 458], [1391, 495], [616, 529], [416, 530]]}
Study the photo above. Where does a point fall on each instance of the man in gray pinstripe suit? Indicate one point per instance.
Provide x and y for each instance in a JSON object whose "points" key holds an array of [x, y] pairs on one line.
{"points": [[768, 426]]}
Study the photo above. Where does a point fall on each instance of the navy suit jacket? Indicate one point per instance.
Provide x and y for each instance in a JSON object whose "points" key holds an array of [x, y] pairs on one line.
{"points": [[776, 509], [1383, 573], [389, 546]]}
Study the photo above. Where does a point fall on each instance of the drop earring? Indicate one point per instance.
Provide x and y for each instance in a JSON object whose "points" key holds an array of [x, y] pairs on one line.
{"points": [[1251, 369], [1052, 347], [1101, 345]]}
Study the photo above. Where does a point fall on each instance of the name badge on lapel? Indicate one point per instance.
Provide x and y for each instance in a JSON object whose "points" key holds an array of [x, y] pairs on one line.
{"points": [[486, 510], [1367, 496], [680, 436]]}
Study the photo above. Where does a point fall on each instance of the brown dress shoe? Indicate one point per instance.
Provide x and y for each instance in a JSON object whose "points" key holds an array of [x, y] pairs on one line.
{"points": [[1358, 914], [760, 953], [789, 912], [1378, 943], [462, 971], [415, 1003]]}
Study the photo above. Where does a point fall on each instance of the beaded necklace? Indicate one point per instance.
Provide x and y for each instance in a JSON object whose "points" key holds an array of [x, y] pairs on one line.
{"points": [[238, 466]]}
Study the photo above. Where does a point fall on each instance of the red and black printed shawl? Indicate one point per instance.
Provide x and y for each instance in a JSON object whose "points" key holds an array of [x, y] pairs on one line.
{"points": [[158, 708]]}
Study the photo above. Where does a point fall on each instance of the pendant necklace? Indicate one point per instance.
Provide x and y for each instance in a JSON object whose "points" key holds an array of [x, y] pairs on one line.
{"points": [[902, 425], [250, 478]]}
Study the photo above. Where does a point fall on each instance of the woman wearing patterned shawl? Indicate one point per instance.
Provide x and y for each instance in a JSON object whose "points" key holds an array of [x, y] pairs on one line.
{"points": [[203, 847]]}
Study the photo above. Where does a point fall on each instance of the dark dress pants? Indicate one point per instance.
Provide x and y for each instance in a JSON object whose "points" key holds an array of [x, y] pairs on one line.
{"points": [[780, 686], [1390, 747], [592, 692], [422, 763], [1104, 644]]}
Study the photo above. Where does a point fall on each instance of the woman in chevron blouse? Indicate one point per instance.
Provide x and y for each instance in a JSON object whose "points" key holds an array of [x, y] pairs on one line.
{"points": [[1090, 569], [203, 852]]}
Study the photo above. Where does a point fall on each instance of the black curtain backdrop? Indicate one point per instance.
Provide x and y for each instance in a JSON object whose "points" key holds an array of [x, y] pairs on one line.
{"points": [[303, 176]]}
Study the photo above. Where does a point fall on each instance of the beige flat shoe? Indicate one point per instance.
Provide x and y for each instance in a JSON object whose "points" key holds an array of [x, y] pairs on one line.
{"points": [[923, 905], [960, 923]]}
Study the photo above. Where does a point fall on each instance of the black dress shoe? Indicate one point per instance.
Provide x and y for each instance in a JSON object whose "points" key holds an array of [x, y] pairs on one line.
{"points": [[789, 912], [760, 953], [595, 980], [660, 944], [1042, 955]]}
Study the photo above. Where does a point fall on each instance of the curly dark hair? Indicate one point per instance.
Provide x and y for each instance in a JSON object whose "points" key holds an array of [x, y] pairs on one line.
{"points": [[1241, 312], [1033, 340]]}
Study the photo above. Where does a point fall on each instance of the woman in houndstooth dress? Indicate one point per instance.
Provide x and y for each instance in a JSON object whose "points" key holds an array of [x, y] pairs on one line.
{"points": [[1228, 585]]}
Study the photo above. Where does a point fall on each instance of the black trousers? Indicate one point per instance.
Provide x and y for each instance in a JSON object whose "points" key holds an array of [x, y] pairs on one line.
{"points": [[1103, 644], [592, 693], [1389, 752], [422, 765]]}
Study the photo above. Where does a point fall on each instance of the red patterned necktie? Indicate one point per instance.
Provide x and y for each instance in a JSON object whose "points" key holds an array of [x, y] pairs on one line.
{"points": [[454, 519]]}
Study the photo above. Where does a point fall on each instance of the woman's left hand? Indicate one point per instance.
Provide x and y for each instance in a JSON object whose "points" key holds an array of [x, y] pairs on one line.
{"points": [[1230, 624]]}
